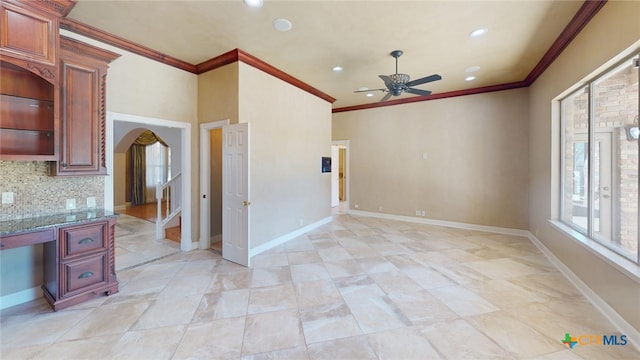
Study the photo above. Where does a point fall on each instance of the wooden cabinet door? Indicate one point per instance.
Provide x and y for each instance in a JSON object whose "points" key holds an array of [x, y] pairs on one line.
{"points": [[28, 34], [81, 133], [83, 70]]}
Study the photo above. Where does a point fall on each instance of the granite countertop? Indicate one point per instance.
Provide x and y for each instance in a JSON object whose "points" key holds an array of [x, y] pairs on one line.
{"points": [[46, 221]]}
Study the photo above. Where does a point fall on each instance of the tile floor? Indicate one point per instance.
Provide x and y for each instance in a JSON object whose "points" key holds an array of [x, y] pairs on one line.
{"points": [[357, 288]]}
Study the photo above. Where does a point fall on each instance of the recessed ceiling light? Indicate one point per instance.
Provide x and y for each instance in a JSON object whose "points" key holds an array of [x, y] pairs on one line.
{"points": [[470, 78], [369, 95], [471, 69], [253, 3], [478, 32], [282, 24], [337, 68]]}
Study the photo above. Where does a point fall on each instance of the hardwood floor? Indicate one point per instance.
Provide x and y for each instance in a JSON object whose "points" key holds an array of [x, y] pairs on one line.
{"points": [[147, 212]]}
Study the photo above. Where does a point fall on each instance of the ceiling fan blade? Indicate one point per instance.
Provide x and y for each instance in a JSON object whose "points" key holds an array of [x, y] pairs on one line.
{"points": [[387, 81], [386, 97], [359, 91], [418, 92], [424, 80]]}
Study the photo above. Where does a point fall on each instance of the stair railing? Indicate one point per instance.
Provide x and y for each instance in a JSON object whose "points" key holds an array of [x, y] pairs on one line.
{"points": [[171, 193]]}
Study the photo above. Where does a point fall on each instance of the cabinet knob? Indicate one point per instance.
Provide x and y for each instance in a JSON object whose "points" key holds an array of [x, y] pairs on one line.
{"points": [[85, 275]]}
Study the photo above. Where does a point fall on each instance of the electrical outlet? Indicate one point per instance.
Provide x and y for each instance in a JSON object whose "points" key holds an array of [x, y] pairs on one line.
{"points": [[356, 206], [417, 212], [423, 213], [91, 202], [425, 156], [71, 204], [7, 198]]}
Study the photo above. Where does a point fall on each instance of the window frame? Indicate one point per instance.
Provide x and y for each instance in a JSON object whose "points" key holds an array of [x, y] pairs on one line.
{"points": [[588, 237]]}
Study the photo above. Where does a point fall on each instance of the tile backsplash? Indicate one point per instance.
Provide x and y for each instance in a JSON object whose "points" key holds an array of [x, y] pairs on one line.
{"points": [[36, 193]]}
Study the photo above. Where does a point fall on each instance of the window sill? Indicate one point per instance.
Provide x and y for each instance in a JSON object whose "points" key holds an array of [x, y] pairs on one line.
{"points": [[618, 261]]}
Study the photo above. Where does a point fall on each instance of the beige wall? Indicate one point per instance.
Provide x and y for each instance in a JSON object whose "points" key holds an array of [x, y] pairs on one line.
{"points": [[476, 168], [119, 179], [612, 30], [290, 131]]}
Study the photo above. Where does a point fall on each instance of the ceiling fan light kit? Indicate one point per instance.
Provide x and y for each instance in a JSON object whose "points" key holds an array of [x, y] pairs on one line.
{"points": [[398, 83]]}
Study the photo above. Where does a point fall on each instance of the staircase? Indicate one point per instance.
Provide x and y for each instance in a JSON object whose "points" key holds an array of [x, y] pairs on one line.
{"points": [[171, 193], [174, 233]]}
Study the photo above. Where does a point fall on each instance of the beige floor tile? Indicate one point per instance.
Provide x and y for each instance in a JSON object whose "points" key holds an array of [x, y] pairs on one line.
{"points": [[100, 347], [272, 331], [403, 343], [357, 287], [313, 293], [298, 244], [272, 298], [309, 272], [158, 343], [501, 268], [422, 307], [271, 276], [428, 278], [328, 322], [269, 260], [303, 257], [462, 301], [45, 328], [377, 264], [334, 254], [338, 269], [375, 314], [395, 282], [347, 348], [230, 280], [193, 284], [296, 353], [459, 340], [168, 311], [219, 339], [222, 305], [513, 335], [107, 320], [505, 294]]}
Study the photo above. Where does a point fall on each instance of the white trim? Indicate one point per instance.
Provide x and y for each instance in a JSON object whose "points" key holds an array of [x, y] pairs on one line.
{"points": [[618, 321], [451, 224], [20, 297], [284, 238], [205, 181], [185, 136]]}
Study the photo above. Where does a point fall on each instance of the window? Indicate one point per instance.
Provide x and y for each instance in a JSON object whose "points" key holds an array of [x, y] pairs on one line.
{"points": [[599, 159]]}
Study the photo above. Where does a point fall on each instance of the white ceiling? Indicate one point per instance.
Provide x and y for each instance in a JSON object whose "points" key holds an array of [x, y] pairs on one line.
{"points": [[358, 35]]}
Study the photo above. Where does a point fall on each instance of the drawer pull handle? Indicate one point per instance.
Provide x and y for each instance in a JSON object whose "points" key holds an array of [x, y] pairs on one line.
{"points": [[85, 275], [85, 241]]}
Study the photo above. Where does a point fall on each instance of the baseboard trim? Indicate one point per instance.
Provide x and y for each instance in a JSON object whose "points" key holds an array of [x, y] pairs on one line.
{"points": [[451, 224], [216, 238], [20, 297], [284, 238], [618, 321]]}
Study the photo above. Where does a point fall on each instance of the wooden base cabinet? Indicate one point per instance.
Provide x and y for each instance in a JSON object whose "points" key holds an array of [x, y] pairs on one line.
{"points": [[82, 265]]}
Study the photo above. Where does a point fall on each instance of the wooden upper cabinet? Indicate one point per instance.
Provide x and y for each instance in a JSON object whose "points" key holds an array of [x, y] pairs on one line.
{"points": [[29, 34], [83, 71]]}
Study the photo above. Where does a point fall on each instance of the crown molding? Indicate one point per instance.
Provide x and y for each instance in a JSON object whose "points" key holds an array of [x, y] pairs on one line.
{"points": [[243, 56], [581, 18], [102, 36]]}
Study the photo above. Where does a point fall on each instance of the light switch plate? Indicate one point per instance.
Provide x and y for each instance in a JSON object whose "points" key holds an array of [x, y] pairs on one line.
{"points": [[71, 204], [7, 197]]}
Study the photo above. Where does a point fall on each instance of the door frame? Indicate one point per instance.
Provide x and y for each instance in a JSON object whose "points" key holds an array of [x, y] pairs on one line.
{"points": [[185, 135], [347, 172], [205, 180]]}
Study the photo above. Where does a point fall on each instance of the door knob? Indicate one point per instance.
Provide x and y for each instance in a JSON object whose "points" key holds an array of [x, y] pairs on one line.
{"points": [[246, 203]]}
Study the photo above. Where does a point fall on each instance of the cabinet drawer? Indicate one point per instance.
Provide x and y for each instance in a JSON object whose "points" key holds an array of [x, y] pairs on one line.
{"points": [[81, 239], [82, 274]]}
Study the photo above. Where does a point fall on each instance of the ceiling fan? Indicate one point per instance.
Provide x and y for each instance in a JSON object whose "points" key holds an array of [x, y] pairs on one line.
{"points": [[396, 83]]}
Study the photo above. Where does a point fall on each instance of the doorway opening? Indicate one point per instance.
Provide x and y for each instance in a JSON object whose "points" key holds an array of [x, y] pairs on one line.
{"points": [[340, 176]]}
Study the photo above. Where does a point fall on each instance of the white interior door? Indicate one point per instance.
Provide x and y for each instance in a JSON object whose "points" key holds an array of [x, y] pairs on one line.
{"points": [[335, 185], [235, 198]]}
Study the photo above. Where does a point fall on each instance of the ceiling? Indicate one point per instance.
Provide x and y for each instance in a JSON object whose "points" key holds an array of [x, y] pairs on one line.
{"points": [[357, 35]]}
